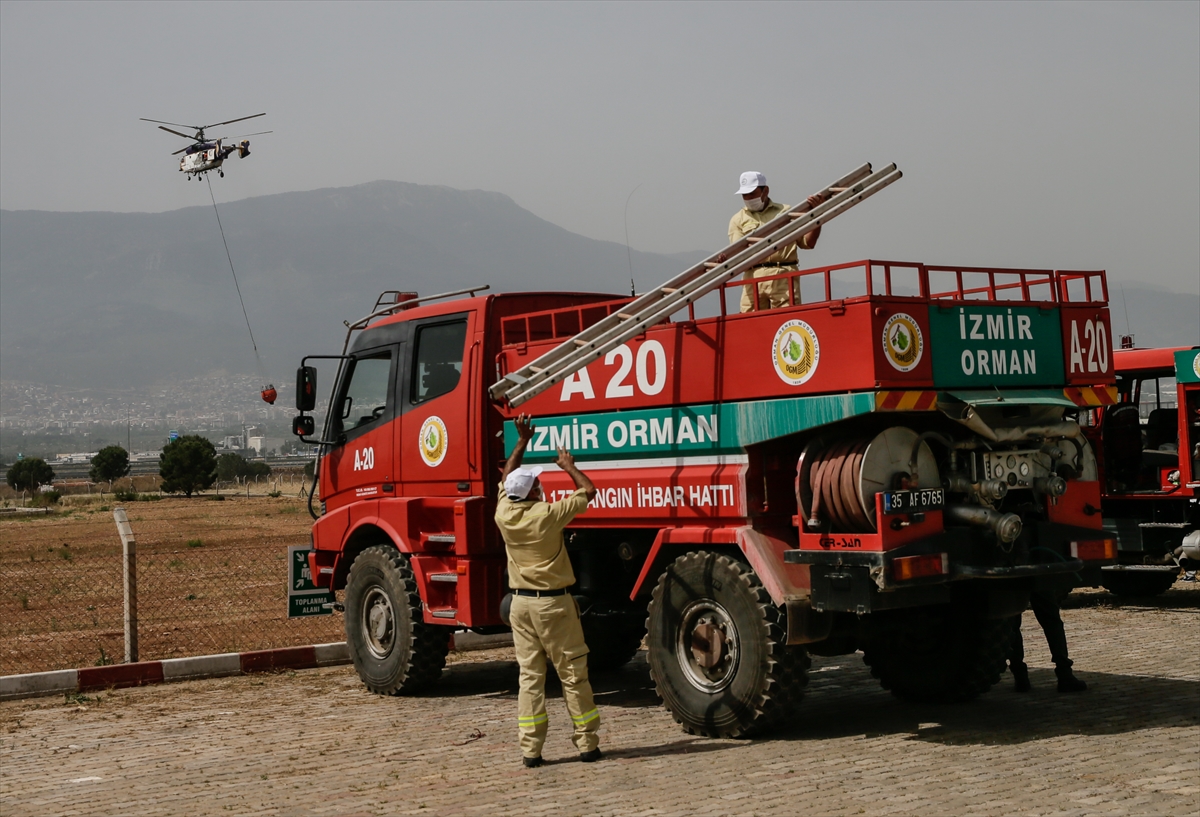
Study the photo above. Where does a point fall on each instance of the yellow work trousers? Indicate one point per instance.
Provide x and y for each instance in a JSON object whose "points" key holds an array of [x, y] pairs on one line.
{"points": [[548, 627], [771, 294]]}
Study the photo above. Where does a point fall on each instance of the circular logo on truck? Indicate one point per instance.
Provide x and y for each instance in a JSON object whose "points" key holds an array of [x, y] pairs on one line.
{"points": [[1196, 365], [902, 342], [796, 352], [433, 441]]}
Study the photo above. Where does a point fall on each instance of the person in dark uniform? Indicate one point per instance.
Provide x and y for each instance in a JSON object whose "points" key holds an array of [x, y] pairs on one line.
{"points": [[1045, 600]]}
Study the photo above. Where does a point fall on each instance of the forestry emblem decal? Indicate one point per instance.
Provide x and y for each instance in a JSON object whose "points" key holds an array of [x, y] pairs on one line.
{"points": [[433, 441], [796, 352], [903, 344], [1195, 366]]}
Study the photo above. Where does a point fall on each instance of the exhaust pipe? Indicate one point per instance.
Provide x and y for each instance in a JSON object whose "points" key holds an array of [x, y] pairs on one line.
{"points": [[1006, 526]]}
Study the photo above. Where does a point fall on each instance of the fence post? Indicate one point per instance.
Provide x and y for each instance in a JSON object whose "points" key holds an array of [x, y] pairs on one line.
{"points": [[129, 559]]}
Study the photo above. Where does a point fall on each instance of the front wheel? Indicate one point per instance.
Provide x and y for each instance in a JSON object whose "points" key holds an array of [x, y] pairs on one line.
{"points": [[937, 654], [717, 649], [394, 651]]}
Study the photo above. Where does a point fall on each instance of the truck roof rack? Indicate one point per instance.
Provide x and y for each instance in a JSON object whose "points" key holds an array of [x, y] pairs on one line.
{"points": [[399, 302]]}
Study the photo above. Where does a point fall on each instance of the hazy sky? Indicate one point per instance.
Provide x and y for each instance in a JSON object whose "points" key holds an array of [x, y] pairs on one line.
{"points": [[1030, 134]]}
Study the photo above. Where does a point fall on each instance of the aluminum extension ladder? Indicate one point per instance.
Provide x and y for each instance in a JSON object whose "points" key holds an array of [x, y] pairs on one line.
{"points": [[660, 303]]}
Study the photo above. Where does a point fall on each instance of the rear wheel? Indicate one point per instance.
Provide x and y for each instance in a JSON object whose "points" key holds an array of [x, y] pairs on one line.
{"points": [[937, 655], [717, 652], [393, 650], [1138, 583]]}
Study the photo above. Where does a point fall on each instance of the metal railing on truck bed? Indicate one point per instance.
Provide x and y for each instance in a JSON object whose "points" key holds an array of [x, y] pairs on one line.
{"points": [[891, 279]]}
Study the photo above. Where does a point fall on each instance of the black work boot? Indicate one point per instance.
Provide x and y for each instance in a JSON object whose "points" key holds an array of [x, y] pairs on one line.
{"points": [[1067, 682], [1020, 673], [532, 762], [592, 756]]}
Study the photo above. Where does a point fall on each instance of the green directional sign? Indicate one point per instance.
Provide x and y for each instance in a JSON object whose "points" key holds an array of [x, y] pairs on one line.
{"points": [[304, 597], [979, 347]]}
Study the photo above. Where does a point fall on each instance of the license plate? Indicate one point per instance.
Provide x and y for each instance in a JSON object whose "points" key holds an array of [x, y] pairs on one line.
{"points": [[922, 499]]}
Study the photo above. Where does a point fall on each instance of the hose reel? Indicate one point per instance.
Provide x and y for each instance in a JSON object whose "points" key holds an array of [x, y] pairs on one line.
{"points": [[837, 478]]}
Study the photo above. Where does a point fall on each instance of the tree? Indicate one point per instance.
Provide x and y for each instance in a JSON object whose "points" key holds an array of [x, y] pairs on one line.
{"points": [[235, 466], [188, 464], [110, 463], [230, 467], [27, 475]]}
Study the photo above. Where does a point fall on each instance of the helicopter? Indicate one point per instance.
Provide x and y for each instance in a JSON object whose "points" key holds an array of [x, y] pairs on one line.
{"points": [[204, 154]]}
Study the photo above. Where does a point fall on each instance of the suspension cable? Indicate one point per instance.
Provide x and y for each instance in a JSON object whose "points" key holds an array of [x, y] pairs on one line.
{"points": [[258, 360]]}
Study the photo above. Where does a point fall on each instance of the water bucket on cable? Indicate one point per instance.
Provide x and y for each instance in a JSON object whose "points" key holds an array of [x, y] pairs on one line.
{"points": [[269, 394]]}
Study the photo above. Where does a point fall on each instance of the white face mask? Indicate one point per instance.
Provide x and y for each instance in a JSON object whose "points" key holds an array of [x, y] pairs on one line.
{"points": [[754, 205]]}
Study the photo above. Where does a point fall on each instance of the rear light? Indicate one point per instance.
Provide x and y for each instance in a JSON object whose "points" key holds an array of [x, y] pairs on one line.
{"points": [[917, 567], [1094, 549]]}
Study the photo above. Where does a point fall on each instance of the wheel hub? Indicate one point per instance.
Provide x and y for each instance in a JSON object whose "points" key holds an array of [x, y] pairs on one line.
{"points": [[707, 646], [378, 622]]}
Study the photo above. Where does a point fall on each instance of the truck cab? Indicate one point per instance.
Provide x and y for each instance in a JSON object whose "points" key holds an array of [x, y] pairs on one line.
{"points": [[1150, 466]]}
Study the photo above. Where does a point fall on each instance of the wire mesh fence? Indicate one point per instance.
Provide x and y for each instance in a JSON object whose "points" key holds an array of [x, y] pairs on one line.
{"points": [[223, 590]]}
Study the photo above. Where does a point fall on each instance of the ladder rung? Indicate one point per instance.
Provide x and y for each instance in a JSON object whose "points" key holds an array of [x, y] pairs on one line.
{"points": [[754, 239], [536, 369], [711, 264], [669, 290], [625, 316], [581, 342]]}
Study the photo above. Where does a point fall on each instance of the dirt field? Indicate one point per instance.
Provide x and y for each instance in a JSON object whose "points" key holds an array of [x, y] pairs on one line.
{"points": [[314, 742], [211, 578]]}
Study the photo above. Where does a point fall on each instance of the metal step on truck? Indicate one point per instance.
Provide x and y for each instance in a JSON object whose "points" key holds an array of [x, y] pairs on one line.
{"points": [[1149, 443], [885, 465]]}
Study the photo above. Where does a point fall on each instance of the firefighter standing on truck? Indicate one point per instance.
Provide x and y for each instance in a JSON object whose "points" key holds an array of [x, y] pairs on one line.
{"points": [[544, 617], [756, 211]]}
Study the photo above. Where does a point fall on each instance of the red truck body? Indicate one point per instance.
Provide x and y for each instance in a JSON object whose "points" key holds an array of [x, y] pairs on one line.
{"points": [[1149, 441], [905, 442]]}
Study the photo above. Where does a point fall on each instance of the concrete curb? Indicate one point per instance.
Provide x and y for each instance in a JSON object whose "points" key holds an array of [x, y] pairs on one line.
{"points": [[115, 676], [142, 673]]}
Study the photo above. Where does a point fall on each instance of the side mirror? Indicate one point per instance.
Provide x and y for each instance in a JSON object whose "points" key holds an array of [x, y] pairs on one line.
{"points": [[306, 388], [303, 425]]}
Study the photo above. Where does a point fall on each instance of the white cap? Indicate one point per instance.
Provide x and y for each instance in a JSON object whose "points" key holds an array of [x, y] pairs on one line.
{"points": [[519, 482], [750, 181]]}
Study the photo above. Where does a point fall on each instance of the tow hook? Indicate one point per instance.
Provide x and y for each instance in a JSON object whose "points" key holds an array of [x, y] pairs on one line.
{"points": [[335, 605]]}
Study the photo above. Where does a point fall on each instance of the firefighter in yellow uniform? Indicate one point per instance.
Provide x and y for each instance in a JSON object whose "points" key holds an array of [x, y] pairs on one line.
{"points": [[544, 617], [758, 209]]}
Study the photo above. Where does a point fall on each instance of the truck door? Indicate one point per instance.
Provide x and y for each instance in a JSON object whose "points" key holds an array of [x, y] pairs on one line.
{"points": [[361, 417], [436, 446]]}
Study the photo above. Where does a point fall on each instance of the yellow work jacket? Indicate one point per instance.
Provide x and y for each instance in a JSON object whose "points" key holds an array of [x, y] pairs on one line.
{"points": [[533, 539], [745, 222]]}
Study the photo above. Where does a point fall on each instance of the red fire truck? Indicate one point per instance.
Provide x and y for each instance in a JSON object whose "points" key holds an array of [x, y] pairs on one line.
{"points": [[885, 464], [1150, 468]]}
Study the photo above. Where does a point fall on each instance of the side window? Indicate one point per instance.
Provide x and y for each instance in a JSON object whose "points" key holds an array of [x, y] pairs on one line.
{"points": [[365, 398], [438, 359]]}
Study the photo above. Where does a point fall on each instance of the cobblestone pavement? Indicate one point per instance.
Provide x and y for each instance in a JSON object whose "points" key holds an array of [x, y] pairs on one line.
{"points": [[314, 742]]}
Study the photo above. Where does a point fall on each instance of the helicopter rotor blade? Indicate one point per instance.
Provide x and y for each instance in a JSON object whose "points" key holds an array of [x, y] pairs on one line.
{"points": [[176, 124], [181, 150], [244, 135], [231, 121], [177, 133]]}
